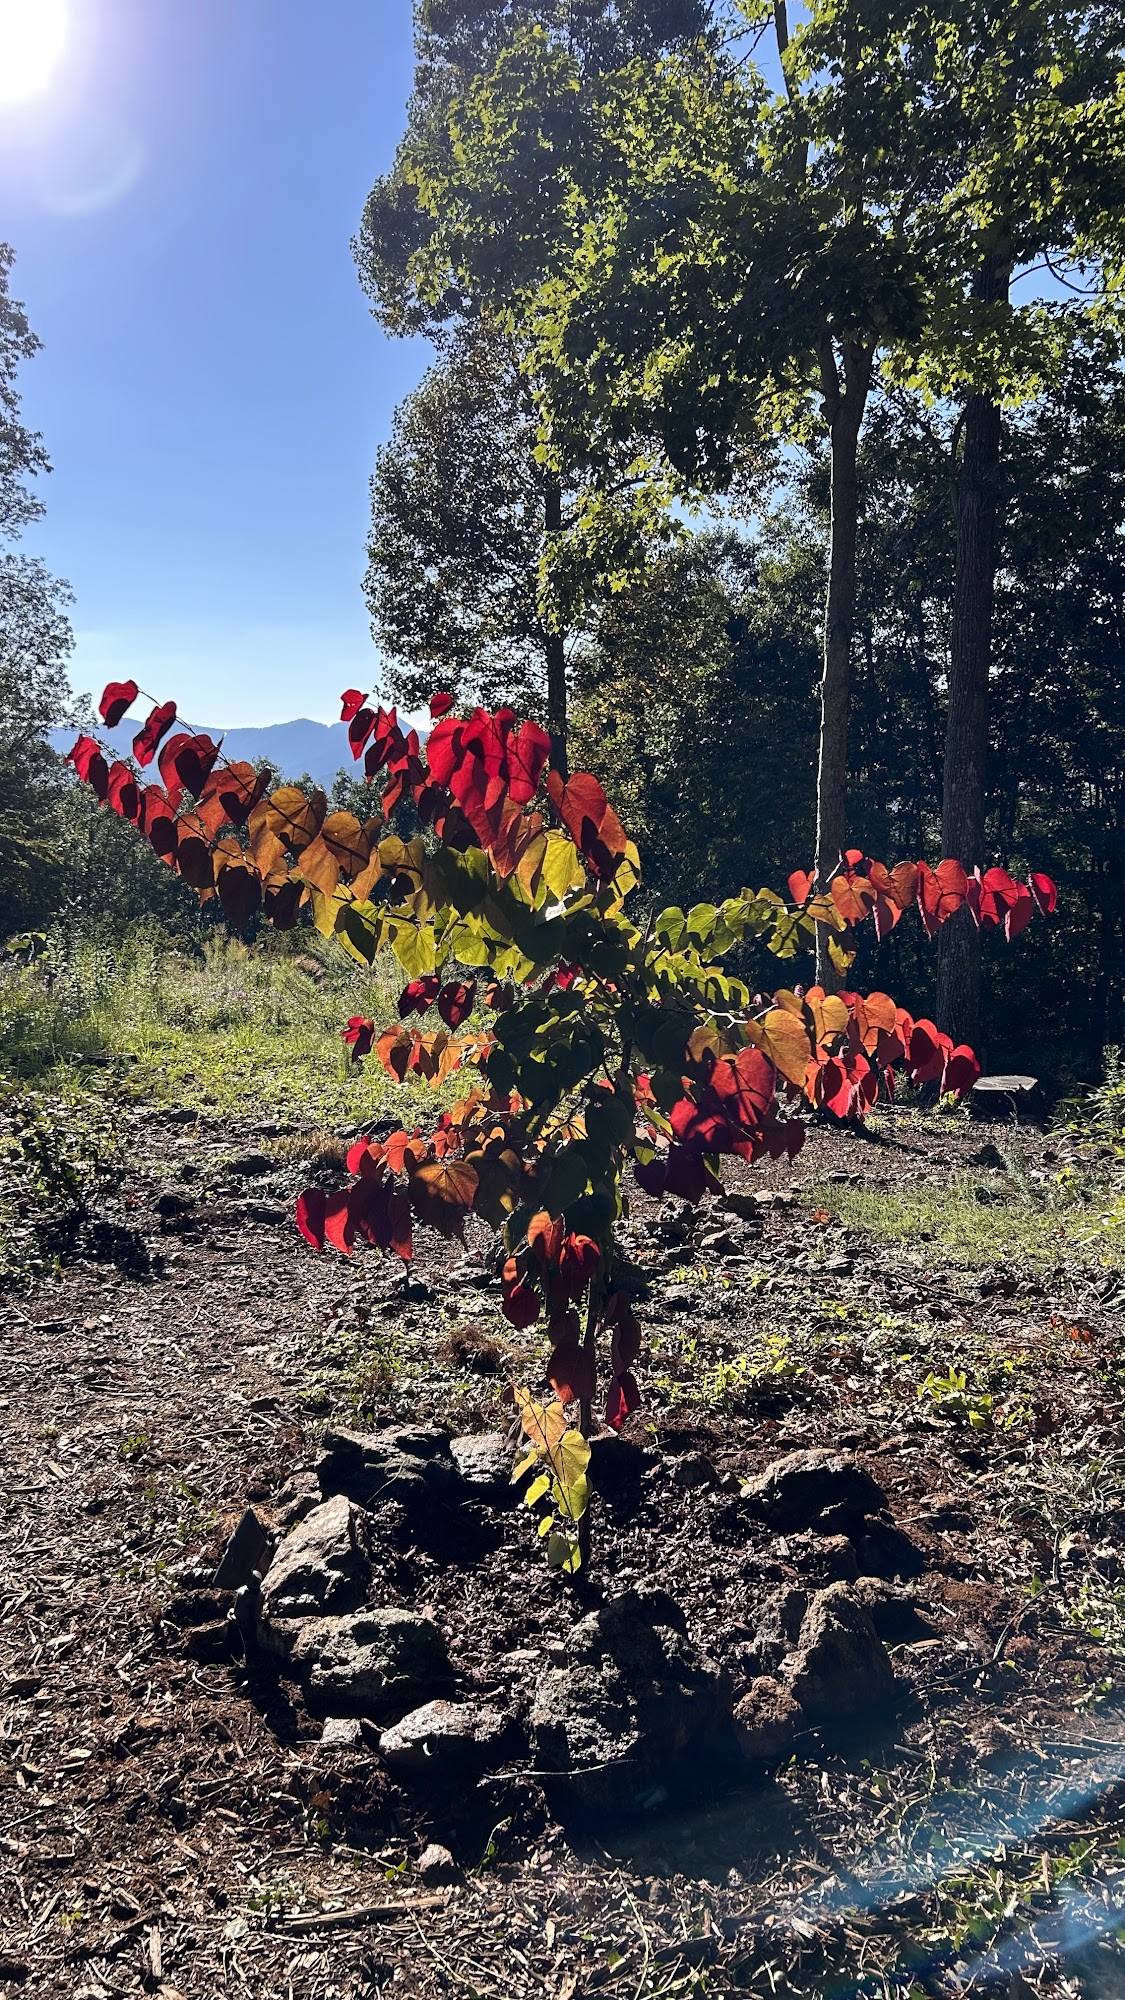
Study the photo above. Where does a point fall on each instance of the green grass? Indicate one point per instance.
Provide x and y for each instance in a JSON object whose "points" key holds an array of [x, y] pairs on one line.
{"points": [[969, 1221], [240, 1031]]}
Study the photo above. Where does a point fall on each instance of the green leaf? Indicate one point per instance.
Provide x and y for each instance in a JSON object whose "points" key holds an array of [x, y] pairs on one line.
{"points": [[562, 866], [361, 930], [413, 946], [538, 1489], [670, 927], [565, 1555]]}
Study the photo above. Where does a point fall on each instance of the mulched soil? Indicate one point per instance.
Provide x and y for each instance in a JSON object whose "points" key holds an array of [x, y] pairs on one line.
{"points": [[169, 1822]]}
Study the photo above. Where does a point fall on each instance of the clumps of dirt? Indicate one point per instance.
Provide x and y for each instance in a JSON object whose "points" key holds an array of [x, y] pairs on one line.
{"points": [[473, 1350]]}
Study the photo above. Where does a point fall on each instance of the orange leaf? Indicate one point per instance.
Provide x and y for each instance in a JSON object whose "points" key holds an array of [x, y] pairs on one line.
{"points": [[442, 1193], [784, 1038]]}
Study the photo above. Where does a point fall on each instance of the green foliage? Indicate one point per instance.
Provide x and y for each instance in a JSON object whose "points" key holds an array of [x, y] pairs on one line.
{"points": [[60, 1153], [951, 1396], [228, 1029], [35, 639], [458, 534]]}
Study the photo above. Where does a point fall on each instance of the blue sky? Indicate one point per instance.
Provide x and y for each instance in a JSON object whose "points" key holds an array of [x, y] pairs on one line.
{"points": [[212, 387]]}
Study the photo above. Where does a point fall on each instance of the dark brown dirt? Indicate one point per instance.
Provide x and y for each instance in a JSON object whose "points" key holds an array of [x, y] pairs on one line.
{"points": [[168, 1820]]}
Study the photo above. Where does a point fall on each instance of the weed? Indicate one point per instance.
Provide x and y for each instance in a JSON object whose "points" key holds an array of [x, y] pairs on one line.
{"points": [[1030, 1227], [951, 1397], [134, 1446], [1098, 1609], [730, 1381], [237, 1028]]}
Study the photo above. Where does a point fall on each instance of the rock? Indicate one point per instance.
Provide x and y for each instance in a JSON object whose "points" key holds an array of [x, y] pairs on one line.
{"points": [[319, 1566], [894, 1614], [435, 1866], [473, 1275], [247, 1550], [717, 1243], [672, 1225], [378, 1663], [299, 1495], [173, 1202], [341, 1732], [693, 1470], [209, 1644], [408, 1465], [781, 1619], [986, 1156], [767, 1720], [747, 1207], [795, 1491], [680, 1298], [823, 1558], [634, 1709], [263, 1211], [885, 1550], [485, 1464], [841, 1672], [450, 1742], [248, 1165]]}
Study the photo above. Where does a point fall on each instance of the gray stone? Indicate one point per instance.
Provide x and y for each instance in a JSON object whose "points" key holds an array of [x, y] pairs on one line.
{"points": [[894, 1613], [746, 1207], [379, 1663], [248, 1165], [635, 1706], [717, 1243], [262, 1211], [767, 1720], [485, 1464], [299, 1495], [436, 1866], [841, 1672], [341, 1732], [319, 1566], [793, 1492], [247, 1550], [173, 1202], [680, 1298], [447, 1742], [412, 1466]]}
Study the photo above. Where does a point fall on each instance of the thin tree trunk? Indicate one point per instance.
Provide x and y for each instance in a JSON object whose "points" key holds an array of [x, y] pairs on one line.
{"points": [[586, 1409], [977, 506], [844, 405], [554, 644]]}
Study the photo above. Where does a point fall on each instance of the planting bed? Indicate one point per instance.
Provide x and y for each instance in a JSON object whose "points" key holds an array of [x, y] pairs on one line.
{"points": [[852, 1730]]}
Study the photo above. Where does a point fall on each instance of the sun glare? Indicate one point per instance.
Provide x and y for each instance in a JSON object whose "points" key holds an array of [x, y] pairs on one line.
{"points": [[32, 39]]}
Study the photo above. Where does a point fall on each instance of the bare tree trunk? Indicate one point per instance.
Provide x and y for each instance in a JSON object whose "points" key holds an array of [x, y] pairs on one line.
{"points": [[586, 1409], [844, 402], [554, 644], [977, 506]]}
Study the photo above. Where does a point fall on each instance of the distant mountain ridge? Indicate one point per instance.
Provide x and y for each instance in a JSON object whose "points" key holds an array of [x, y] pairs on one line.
{"points": [[292, 748]]}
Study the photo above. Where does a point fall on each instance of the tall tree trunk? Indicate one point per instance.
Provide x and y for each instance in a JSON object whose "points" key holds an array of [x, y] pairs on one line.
{"points": [[976, 495], [554, 643], [844, 402]]}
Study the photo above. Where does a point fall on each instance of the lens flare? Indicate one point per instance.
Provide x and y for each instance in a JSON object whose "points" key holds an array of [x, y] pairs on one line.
{"points": [[33, 35]]}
